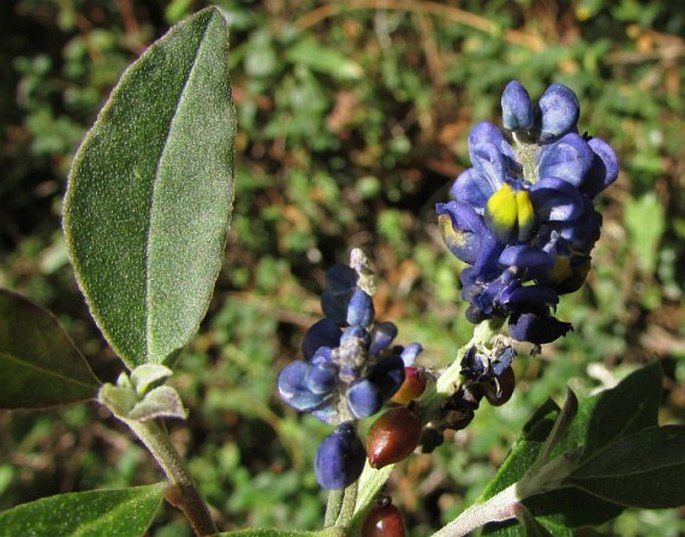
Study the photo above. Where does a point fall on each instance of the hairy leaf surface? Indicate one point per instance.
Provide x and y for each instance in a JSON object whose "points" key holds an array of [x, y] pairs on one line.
{"points": [[150, 193]]}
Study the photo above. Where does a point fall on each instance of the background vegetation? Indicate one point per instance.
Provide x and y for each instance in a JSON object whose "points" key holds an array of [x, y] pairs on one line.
{"points": [[353, 119]]}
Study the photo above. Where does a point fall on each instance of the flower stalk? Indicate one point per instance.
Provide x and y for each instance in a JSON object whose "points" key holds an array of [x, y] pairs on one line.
{"points": [[184, 493]]}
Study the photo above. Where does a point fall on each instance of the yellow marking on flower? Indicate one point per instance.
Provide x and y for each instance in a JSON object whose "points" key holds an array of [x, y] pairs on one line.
{"points": [[525, 215], [452, 237], [501, 212], [561, 270]]}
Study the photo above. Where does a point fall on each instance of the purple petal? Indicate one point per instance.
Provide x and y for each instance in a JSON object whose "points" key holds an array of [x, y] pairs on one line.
{"points": [[604, 169], [533, 260], [490, 163], [364, 398], [293, 390], [531, 297], [503, 360], [472, 188], [388, 375], [323, 333], [410, 353], [582, 234], [382, 336], [537, 328], [556, 200], [486, 132], [463, 230], [570, 159], [321, 379]]}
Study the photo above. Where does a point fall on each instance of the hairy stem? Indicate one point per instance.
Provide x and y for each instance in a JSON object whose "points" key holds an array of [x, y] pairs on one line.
{"points": [[499, 508], [348, 503], [184, 494], [333, 507]]}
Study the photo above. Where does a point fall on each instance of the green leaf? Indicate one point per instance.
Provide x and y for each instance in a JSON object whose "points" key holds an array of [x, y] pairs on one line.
{"points": [[40, 365], [160, 402], [557, 510], [531, 526], [148, 376], [524, 451], [631, 406], [150, 193], [646, 469], [115, 513], [273, 532], [571, 508], [557, 434]]}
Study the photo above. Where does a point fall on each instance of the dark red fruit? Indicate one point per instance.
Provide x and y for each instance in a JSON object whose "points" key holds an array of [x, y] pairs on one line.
{"points": [[413, 386], [499, 389], [393, 437], [384, 521]]}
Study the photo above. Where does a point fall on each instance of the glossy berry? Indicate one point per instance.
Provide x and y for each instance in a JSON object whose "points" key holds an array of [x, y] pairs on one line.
{"points": [[340, 458], [393, 437], [498, 390], [413, 386], [384, 521]]}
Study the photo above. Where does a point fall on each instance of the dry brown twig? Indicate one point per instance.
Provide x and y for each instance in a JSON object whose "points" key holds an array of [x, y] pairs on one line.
{"points": [[451, 13]]}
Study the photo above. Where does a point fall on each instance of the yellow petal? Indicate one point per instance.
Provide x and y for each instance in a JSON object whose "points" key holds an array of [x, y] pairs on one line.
{"points": [[525, 215], [500, 213]]}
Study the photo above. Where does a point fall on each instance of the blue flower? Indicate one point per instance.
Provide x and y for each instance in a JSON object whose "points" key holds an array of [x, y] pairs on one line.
{"points": [[522, 216], [340, 458]]}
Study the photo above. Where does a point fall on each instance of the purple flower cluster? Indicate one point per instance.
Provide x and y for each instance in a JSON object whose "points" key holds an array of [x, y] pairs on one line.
{"points": [[350, 369], [522, 216]]}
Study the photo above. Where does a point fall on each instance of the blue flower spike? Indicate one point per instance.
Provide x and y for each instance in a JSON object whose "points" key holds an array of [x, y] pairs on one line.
{"points": [[351, 368], [523, 216]]}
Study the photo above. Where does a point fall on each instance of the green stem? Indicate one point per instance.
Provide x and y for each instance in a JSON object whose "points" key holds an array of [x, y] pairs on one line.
{"points": [[449, 380], [499, 508], [347, 508], [333, 507], [185, 494]]}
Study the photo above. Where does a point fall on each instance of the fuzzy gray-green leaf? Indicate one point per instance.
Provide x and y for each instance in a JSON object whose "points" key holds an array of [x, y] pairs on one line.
{"points": [[150, 193], [115, 513]]}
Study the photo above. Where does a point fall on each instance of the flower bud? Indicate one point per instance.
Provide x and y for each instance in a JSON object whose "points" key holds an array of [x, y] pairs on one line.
{"points": [[560, 109], [360, 309], [393, 437], [413, 386], [340, 458], [498, 390], [384, 520], [517, 110], [364, 398]]}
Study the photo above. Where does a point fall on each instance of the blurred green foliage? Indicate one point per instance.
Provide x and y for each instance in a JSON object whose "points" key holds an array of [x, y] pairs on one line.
{"points": [[353, 118]]}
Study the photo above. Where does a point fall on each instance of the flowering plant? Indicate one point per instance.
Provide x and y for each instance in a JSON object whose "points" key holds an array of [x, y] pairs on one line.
{"points": [[146, 213]]}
